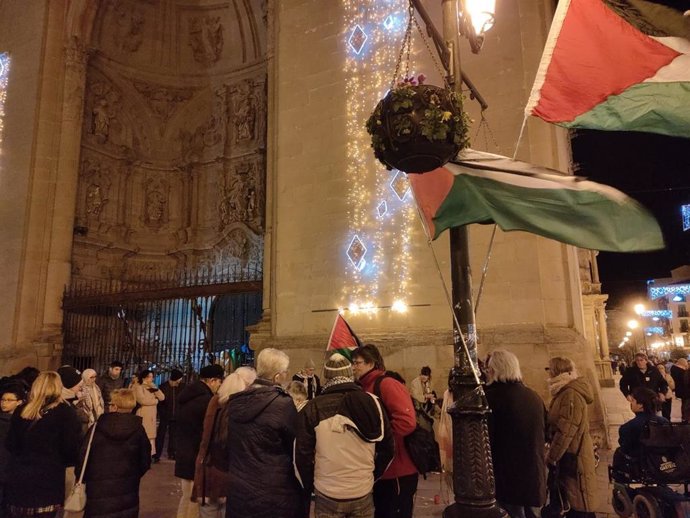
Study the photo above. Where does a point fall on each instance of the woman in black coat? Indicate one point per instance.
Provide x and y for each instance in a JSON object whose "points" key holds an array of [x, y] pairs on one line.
{"points": [[43, 441], [262, 420], [120, 455], [517, 432]]}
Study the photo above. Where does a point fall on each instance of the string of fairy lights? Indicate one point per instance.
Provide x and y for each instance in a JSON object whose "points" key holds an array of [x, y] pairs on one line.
{"points": [[381, 212], [4, 74]]}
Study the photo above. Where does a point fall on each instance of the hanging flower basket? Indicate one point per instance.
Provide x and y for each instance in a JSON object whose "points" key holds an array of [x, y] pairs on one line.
{"points": [[417, 128]]}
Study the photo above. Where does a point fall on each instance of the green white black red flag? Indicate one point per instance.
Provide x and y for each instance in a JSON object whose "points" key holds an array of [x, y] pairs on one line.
{"points": [[620, 65]]}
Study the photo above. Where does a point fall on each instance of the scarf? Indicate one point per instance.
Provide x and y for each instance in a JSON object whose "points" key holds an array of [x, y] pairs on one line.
{"points": [[558, 382], [337, 381]]}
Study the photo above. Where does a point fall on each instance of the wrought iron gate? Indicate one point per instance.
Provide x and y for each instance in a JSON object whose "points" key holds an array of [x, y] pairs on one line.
{"points": [[183, 321]]}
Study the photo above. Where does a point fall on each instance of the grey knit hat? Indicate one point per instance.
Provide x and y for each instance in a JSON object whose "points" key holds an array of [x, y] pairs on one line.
{"points": [[337, 366]]}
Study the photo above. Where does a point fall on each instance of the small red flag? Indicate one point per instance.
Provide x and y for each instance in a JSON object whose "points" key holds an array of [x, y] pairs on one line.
{"points": [[343, 340]]}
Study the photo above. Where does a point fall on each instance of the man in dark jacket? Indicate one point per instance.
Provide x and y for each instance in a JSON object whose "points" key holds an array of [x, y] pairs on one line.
{"points": [[262, 421], [110, 381], [167, 414], [191, 409], [394, 491], [345, 437], [642, 374], [679, 373], [517, 432]]}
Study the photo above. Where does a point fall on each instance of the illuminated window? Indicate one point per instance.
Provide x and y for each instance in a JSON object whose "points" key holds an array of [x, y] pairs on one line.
{"points": [[685, 212], [4, 73]]}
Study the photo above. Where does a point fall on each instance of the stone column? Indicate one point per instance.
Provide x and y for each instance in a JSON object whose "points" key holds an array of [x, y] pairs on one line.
{"points": [[67, 174]]}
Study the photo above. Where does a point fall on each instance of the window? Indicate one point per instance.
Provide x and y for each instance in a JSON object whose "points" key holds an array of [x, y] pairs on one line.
{"points": [[685, 213]]}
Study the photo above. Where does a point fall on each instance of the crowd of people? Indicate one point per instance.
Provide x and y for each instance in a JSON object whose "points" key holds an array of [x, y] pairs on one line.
{"points": [[257, 444]]}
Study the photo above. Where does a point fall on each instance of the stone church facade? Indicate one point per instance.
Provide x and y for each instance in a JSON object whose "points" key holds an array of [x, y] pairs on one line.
{"points": [[147, 137]]}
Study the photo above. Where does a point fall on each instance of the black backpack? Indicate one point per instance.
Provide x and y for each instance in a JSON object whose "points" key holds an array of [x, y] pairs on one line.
{"points": [[421, 443]]}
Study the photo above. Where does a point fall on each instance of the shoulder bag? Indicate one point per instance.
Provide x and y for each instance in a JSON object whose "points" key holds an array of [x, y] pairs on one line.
{"points": [[76, 500]]}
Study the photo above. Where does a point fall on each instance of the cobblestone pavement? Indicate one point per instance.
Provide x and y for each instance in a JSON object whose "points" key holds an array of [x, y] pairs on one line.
{"points": [[160, 491]]}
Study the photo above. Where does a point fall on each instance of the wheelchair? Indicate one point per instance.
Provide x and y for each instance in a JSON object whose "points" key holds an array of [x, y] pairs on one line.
{"points": [[654, 483]]}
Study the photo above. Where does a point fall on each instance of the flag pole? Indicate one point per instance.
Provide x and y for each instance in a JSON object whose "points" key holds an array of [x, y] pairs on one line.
{"points": [[473, 478]]}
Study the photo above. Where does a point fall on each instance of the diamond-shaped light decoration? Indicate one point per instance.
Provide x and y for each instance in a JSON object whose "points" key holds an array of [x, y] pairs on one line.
{"points": [[356, 252], [389, 22], [382, 209], [357, 39], [400, 185]]}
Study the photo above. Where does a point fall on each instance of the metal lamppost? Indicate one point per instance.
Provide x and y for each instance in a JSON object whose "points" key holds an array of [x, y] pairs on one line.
{"points": [[473, 478]]}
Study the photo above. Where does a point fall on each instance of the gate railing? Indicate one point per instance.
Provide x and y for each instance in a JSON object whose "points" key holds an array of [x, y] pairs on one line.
{"points": [[160, 322]]}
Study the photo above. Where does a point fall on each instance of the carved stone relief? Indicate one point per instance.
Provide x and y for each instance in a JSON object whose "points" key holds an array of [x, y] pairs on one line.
{"points": [[206, 39], [247, 109], [128, 33], [105, 104], [95, 181], [156, 201], [163, 100], [193, 144], [172, 160], [240, 195], [239, 248]]}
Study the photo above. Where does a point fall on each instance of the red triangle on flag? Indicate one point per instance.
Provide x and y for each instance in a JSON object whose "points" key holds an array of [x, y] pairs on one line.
{"points": [[342, 336], [596, 54]]}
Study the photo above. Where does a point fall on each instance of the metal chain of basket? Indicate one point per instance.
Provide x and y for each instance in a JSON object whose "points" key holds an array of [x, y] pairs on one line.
{"points": [[406, 47]]}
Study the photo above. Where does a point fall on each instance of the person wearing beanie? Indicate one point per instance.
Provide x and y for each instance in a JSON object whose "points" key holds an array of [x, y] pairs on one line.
{"points": [[189, 426], [310, 380], [167, 414], [344, 443]]}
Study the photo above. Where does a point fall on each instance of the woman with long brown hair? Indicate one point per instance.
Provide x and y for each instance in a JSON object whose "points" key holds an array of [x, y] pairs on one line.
{"points": [[43, 441]]}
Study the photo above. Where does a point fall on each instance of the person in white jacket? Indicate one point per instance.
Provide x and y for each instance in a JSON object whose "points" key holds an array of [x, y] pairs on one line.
{"points": [[148, 395]]}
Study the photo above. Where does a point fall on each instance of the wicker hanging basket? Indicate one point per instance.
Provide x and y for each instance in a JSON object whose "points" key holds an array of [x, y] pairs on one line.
{"points": [[417, 128]]}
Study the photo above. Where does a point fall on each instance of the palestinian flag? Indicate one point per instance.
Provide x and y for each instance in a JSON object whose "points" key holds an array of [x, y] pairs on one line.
{"points": [[343, 339], [485, 188], [620, 65]]}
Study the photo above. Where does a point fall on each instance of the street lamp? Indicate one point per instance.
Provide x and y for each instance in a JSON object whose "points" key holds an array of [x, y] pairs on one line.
{"points": [[475, 17], [473, 479], [639, 309]]}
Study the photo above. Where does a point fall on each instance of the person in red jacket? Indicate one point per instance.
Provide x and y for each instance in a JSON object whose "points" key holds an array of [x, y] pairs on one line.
{"points": [[394, 491]]}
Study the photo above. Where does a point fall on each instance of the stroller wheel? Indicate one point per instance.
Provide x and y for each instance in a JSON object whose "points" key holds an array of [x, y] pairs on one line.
{"points": [[646, 506], [621, 503]]}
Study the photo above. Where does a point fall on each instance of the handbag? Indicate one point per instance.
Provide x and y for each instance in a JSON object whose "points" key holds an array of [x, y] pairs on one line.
{"points": [[76, 500]]}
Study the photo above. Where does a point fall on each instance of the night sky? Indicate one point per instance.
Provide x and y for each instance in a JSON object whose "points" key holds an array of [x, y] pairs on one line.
{"points": [[655, 170]]}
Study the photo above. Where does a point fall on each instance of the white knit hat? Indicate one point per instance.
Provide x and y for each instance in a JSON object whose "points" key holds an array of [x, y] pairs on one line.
{"points": [[337, 366]]}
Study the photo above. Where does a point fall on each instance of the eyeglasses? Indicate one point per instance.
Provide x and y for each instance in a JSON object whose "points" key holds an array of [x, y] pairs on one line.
{"points": [[5, 400]]}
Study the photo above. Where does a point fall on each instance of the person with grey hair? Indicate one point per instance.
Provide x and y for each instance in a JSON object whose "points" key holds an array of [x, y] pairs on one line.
{"points": [[310, 380], [517, 432], [261, 422], [571, 454]]}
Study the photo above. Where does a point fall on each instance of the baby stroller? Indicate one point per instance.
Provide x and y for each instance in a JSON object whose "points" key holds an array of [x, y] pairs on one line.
{"points": [[654, 483]]}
